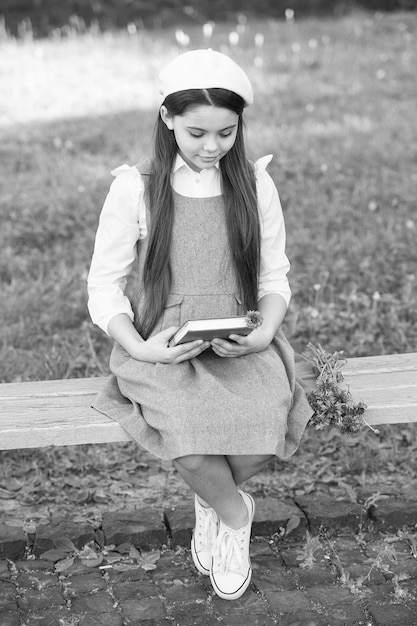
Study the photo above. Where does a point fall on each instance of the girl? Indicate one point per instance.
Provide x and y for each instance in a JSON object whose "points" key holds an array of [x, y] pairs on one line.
{"points": [[206, 230]]}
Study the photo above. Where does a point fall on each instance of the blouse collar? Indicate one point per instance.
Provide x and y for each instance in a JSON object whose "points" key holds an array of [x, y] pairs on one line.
{"points": [[179, 163]]}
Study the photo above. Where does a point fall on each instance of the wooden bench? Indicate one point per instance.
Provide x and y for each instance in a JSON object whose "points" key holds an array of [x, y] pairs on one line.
{"points": [[58, 412]]}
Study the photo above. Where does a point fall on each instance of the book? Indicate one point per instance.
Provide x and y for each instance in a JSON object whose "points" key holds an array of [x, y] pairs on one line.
{"points": [[210, 328]]}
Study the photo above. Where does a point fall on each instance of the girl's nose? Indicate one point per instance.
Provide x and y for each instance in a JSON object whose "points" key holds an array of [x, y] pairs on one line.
{"points": [[210, 145]]}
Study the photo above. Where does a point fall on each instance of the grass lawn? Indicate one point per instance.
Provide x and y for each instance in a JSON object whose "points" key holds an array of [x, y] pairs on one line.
{"points": [[335, 104]]}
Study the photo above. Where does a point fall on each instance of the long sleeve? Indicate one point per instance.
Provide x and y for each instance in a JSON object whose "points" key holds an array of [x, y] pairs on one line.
{"points": [[122, 223], [274, 264]]}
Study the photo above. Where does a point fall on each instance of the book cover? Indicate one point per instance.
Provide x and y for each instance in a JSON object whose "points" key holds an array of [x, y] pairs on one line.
{"points": [[221, 327]]}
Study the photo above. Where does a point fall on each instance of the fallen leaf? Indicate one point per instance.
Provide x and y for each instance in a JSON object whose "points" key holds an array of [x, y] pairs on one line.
{"points": [[113, 557], [93, 562], [123, 548], [53, 555], [29, 527], [124, 567], [292, 524], [148, 561], [87, 553], [65, 564], [99, 537], [64, 544], [15, 522], [100, 496], [134, 553], [6, 495]]}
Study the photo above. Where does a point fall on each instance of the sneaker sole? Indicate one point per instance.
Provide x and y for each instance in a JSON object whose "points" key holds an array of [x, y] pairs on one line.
{"points": [[236, 594]]}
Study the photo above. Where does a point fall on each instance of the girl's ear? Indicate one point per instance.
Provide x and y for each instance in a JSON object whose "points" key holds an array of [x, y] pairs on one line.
{"points": [[166, 117]]}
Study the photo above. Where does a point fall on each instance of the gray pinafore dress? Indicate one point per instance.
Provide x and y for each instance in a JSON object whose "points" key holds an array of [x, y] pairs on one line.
{"points": [[209, 404]]}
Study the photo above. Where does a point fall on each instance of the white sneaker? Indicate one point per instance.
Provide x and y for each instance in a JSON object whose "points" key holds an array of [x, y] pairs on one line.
{"points": [[204, 535], [231, 569]]}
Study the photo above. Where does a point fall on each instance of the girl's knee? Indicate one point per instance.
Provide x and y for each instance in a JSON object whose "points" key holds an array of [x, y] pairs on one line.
{"points": [[245, 466], [261, 459], [190, 463], [265, 459]]}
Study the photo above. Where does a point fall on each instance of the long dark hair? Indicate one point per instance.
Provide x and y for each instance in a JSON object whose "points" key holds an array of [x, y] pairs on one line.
{"points": [[239, 193]]}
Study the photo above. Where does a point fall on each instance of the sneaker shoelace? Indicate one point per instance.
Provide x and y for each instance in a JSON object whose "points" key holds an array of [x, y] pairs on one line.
{"points": [[229, 549]]}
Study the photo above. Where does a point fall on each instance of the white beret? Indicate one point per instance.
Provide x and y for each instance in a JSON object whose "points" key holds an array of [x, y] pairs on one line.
{"points": [[205, 69]]}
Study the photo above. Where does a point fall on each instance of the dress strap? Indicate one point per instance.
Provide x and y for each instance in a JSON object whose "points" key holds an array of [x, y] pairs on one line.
{"points": [[144, 167]]}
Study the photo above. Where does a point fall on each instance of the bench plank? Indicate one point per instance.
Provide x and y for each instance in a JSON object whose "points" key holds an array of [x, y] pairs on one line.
{"points": [[58, 412]]}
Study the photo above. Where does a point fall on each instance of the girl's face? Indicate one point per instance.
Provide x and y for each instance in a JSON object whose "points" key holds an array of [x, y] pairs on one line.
{"points": [[204, 134]]}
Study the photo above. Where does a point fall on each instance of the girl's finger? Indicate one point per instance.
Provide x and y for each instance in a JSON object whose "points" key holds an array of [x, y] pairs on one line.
{"points": [[225, 346], [220, 351], [191, 354], [183, 348], [239, 339]]}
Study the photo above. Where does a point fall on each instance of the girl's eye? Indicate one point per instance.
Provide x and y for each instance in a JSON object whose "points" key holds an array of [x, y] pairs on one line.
{"points": [[223, 135]]}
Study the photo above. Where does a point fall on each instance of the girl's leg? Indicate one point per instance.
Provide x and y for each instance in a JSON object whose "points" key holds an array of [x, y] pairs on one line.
{"points": [[214, 479], [211, 478], [244, 466]]}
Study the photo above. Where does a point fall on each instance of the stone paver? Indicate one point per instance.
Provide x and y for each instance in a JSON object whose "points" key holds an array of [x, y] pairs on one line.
{"points": [[46, 533], [332, 576]]}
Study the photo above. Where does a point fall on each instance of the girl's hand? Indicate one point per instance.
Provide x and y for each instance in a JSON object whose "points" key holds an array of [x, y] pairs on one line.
{"points": [[155, 349], [256, 341], [272, 308]]}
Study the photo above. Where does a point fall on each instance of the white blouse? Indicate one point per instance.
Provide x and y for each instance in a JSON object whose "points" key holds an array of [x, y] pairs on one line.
{"points": [[123, 222]]}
